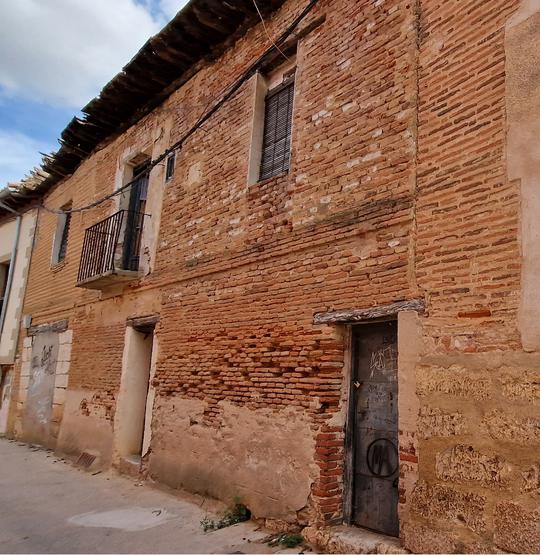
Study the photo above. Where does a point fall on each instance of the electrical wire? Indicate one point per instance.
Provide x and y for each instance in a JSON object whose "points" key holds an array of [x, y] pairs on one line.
{"points": [[205, 116], [267, 33]]}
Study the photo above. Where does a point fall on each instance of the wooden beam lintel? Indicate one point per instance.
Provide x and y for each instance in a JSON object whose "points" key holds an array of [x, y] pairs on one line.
{"points": [[362, 314]]}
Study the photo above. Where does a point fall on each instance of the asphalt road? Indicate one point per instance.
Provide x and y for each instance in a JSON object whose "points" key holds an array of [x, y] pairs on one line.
{"points": [[49, 506]]}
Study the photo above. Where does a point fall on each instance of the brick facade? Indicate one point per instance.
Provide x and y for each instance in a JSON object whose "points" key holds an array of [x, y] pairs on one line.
{"points": [[397, 190]]}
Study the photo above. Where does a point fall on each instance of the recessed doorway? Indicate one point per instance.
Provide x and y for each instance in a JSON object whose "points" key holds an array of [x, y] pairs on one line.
{"points": [[135, 399], [373, 428]]}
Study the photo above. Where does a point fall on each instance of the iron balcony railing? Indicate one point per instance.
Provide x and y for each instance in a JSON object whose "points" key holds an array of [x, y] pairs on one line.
{"points": [[112, 244]]}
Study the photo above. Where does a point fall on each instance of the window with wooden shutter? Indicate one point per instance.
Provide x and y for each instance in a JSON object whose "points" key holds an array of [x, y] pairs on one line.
{"points": [[64, 238], [276, 148], [62, 235], [169, 169]]}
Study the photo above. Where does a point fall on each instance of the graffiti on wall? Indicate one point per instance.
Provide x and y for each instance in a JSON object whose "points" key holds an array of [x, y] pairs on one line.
{"points": [[39, 400]]}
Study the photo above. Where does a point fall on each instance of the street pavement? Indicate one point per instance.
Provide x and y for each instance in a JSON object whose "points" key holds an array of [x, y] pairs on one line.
{"points": [[48, 505]]}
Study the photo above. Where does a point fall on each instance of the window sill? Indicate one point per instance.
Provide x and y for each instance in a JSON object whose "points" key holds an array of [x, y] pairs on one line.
{"points": [[58, 266], [268, 180]]}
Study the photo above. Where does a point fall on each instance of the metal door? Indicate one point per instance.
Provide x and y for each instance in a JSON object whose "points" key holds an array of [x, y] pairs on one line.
{"points": [[375, 437]]}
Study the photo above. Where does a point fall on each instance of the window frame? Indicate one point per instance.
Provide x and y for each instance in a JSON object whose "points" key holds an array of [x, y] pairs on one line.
{"points": [[170, 166], [61, 237], [288, 84], [3, 284]]}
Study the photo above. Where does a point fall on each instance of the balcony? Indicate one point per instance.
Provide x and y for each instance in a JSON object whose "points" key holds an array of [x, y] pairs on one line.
{"points": [[110, 253]]}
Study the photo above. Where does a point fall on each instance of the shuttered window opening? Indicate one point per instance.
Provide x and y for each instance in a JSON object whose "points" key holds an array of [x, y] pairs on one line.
{"points": [[169, 170], [64, 239], [276, 150]]}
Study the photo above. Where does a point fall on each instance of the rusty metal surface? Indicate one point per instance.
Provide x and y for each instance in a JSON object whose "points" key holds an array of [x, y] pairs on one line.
{"points": [[85, 460], [376, 461]]}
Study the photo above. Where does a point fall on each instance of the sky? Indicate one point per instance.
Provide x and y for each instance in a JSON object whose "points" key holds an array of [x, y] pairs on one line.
{"points": [[56, 55]]}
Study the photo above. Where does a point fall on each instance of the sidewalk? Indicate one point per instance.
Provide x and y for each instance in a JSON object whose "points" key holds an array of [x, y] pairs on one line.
{"points": [[49, 506]]}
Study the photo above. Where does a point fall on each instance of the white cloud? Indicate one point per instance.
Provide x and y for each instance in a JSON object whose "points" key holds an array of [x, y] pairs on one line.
{"points": [[61, 52], [18, 153]]}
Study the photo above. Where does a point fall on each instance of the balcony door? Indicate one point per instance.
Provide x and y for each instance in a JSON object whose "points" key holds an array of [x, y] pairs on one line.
{"points": [[135, 217]]}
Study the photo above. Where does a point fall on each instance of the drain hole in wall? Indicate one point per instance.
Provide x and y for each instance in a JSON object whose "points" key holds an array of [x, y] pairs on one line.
{"points": [[85, 460]]}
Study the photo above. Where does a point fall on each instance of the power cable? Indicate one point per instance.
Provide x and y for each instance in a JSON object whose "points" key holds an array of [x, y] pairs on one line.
{"points": [[206, 115], [266, 31]]}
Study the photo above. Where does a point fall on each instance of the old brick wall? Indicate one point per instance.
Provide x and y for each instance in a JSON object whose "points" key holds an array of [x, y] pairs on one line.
{"points": [[246, 269], [333, 233], [96, 319], [397, 190]]}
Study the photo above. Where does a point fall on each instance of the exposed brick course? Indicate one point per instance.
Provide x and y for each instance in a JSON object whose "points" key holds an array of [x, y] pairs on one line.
{"points": [[397, 190]]}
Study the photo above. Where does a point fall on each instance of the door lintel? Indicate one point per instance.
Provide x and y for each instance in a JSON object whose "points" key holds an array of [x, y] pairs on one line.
{"points": [[350, 316]]}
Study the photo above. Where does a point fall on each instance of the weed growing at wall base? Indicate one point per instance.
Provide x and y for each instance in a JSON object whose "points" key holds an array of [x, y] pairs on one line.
{"points": [[287, 540], [235, 514]]}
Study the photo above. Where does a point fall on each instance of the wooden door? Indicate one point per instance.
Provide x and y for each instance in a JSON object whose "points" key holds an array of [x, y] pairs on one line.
{"points": [[375, 425]]}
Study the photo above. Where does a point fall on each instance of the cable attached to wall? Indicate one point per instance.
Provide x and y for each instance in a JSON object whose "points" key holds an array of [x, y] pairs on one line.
{"points": [[266, 30], [206, 115]]}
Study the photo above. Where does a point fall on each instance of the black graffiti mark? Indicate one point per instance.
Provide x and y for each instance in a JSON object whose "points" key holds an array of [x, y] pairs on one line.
{"points": [[379, 458], [47, 362], [46, 354]]}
